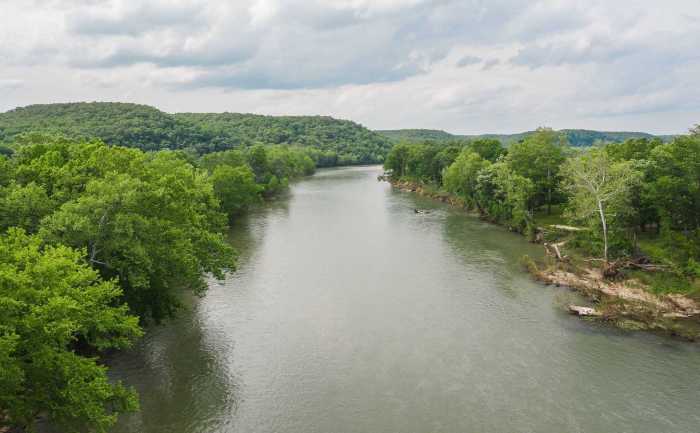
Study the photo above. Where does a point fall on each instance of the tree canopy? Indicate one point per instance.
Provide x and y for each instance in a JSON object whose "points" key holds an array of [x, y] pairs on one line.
{"points": [[53, 307], [329, 141]]}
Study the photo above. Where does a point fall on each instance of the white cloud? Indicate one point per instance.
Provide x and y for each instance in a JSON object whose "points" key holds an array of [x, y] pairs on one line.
{"points": [[460, 65]]}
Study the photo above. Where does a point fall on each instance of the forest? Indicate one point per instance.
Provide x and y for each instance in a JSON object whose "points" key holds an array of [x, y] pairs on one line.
{"points": [[637, 199], [575, 137], [328, 141], [98, 241]]}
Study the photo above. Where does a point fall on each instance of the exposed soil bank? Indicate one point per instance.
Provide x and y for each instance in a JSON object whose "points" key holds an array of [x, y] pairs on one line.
{"points": [[626, 303]]}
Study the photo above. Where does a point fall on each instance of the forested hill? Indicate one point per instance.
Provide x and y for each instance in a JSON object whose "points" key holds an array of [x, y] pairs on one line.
{"points": [[352, 142], [576, 137], [335, 141]]}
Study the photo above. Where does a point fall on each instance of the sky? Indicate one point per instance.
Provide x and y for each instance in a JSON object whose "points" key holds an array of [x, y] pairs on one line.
{"points": [[464, 66]]}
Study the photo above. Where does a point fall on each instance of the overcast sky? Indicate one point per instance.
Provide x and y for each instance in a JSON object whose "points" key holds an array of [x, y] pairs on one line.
{"points": [[465, 66]]}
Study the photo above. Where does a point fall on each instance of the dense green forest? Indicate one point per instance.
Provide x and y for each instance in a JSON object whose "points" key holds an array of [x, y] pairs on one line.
{"points": [[638, 198], [98, 240], [575, 137], [328, 141], [338, 142]]}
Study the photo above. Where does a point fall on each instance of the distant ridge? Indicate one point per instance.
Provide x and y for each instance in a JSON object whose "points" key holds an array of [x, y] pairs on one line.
{"points": [[576, 137], [148, 128]]}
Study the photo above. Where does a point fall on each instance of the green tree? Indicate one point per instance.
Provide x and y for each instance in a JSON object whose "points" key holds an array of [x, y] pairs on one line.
{"points": [[460, 178], [235, 188], [51, 305], [24, 206], [538, 158], [397, 160], [488, 148], [675, 189], [503, 196], [150, 220], [158, 230], [600, 190]]}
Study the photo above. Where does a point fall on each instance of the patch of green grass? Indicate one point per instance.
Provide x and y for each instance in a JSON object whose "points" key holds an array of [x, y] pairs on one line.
{"points": [[556, 217], [666, 282], [676, 278]]}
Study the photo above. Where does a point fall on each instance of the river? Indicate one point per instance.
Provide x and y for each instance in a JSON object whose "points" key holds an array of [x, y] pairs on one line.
{"points": [[352, 313]]}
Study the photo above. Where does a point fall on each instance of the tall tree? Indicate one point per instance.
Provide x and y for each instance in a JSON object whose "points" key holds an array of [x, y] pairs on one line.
{"points": [[461, 177], [539, 158], [488, 148], [54, 309], [600, 190]]}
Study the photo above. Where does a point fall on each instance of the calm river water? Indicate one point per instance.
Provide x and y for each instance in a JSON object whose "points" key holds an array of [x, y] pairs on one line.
{"points": [[352, 313]]}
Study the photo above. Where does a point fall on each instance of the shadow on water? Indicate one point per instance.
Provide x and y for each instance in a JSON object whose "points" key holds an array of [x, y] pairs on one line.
{"points": [[180, 368], [183, 385]]}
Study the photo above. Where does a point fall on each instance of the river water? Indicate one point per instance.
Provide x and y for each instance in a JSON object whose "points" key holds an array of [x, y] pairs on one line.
{"points": [[352, 313]]}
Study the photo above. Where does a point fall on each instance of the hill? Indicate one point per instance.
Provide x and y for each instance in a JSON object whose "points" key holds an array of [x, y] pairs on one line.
{"points": [[576, 137], [130, 125], [417, 134], [336, 141], [353, 143]]}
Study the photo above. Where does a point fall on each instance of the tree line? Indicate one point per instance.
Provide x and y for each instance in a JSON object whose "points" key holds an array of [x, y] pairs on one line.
{"points": [[637, 197], [575, 137], [96, 241], [330, 141]]}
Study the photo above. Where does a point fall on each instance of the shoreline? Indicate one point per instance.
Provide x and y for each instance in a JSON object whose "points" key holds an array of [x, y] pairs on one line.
{"points": [[624, 303]]}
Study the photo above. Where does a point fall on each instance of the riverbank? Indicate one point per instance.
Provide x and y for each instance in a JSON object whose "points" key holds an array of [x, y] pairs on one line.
{"points": [[621, 301]]}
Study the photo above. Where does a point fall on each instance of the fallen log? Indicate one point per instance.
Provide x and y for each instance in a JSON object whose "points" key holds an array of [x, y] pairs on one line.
{"points": [[584, 311], [553, 250]]}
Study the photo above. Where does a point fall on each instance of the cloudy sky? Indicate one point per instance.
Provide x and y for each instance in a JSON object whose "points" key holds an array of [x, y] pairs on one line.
{"points": [[465, 66]]}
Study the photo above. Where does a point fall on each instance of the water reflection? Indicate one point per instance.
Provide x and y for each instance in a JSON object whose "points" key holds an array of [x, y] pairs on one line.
{"points": [[183, 383]]}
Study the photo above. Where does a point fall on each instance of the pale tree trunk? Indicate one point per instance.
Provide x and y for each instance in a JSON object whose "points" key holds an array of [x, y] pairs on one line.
{"points": [[605, 230], [549, 193]]}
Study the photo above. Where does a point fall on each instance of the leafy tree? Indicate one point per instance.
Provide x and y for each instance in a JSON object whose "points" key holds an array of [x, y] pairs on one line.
{"points": [[443, 159], [461, 177], [600, 190], [633, 149], [235, 188], [150, 220], [157, 230], [257, 159], [676, 186], [51, 305], [397, 160], [639, 152], [6, 172], [503, 196], [24, 206], [488, 148], [539, 158], [231, 158]]}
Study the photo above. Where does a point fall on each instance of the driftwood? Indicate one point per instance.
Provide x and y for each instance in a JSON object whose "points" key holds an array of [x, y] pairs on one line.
{"points": [[613, 268], [555, 251], [584, 311], [568, 228]]}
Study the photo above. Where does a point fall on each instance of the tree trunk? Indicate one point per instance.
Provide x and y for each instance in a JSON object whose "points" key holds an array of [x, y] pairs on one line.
{"points": [[549, 193], [605, 231]]}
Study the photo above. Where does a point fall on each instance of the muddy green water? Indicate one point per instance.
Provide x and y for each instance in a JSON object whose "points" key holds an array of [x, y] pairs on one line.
{"points": [[352, 313]]}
